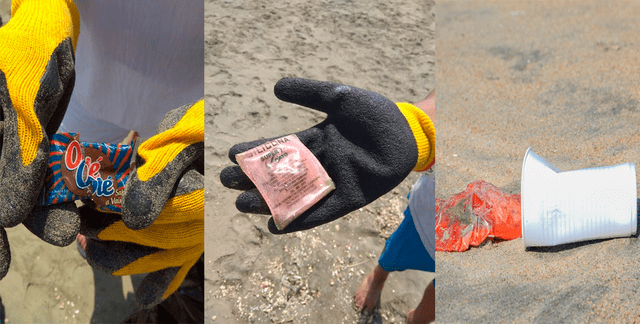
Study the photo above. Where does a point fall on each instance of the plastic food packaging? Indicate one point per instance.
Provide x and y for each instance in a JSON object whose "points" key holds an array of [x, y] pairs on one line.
{"points": [[289, 177], [79, 170], [573, 206], [472, 216]]}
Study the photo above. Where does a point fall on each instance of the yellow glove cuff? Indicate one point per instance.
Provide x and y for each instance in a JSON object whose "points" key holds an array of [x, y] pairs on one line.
{"points": [[36, 29], [423, 131], [162, 148]]}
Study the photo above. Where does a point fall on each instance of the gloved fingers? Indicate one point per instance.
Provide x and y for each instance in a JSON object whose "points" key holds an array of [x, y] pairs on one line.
{"points": [[251, 201], [187, 199], [327, 97], [143, 201], [191, 181], [159, 285], [171, 118], [112, 256], [55, 224], [318, 95], [234, 178], [93, 222], [161, 161], [25, 146], [328, 209], [178, 225], [180, 129], [184, 208], [151, 290], [56, 86], [5, 253], [164, 236], [20, 180]]}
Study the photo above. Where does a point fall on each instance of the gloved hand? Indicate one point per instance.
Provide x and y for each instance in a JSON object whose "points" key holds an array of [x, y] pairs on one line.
{"points": [[160, 161], [167, 249], [36, 80], [161, 229], [367, 144], [178, 144]]}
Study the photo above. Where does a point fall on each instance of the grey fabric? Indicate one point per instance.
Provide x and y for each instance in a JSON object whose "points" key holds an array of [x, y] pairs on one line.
{"points": [[422, 204]]}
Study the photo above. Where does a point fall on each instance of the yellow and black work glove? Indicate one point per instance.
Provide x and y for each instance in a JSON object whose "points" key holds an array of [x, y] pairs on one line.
{"points": [[367, 144], [161, 229], [178, 144], [166, 249], [36, 79]]}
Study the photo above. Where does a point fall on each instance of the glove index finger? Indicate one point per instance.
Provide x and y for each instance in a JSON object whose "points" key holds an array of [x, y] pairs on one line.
{"points": [[180, 129], [55, 224], [161, 161], [323, 96], [143, 201]]}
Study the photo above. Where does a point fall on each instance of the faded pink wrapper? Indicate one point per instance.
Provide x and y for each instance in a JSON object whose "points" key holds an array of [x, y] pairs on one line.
{"points": [[289, 177]]}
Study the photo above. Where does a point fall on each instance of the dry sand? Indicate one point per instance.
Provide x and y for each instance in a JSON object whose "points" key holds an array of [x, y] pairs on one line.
{"points": [[561, 77], [253, 276]]}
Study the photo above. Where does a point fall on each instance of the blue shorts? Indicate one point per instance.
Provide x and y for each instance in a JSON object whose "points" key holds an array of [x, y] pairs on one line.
{"points": [[405, 250]]}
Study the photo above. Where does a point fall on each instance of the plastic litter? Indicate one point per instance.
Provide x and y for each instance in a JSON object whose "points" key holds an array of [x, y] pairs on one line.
{"points": [[573, 206], [289, 177], [80, 170], [472, 216]]}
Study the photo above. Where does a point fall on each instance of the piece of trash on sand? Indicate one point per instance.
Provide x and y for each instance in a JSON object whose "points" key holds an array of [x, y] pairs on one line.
{"points": [[479, 212], [579, 205], [289, 177]]}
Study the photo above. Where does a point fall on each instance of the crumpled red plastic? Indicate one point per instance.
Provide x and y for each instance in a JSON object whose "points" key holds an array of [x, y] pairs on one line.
{"points": [[481, 211]]}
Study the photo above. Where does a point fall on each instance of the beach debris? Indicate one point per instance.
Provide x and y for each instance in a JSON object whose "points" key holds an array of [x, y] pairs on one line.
{"points": [[289, 177], [579, 205], [80, 170], [480, 212]]}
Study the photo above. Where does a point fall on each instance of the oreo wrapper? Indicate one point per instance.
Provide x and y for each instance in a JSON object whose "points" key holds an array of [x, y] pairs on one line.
{"points": [[79, 171], [289, 177]]}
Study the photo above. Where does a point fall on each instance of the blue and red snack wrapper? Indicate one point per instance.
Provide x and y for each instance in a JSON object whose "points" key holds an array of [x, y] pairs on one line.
{"points": [[80, 171]]}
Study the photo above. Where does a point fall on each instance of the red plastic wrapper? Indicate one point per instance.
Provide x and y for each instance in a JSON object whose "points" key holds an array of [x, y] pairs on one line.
{"points": [[481, 211]]}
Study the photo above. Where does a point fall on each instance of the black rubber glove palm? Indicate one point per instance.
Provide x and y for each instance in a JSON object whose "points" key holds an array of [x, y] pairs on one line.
{"points": [[365, 144]]}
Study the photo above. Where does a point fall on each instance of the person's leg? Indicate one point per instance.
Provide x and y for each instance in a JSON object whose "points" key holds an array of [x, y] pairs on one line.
{"points": [[370, 289], [403, 250], [426, 310]]}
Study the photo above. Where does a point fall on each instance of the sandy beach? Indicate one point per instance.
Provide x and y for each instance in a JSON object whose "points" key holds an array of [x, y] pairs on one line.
{"points": [[563, 78], [253, 276]]}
